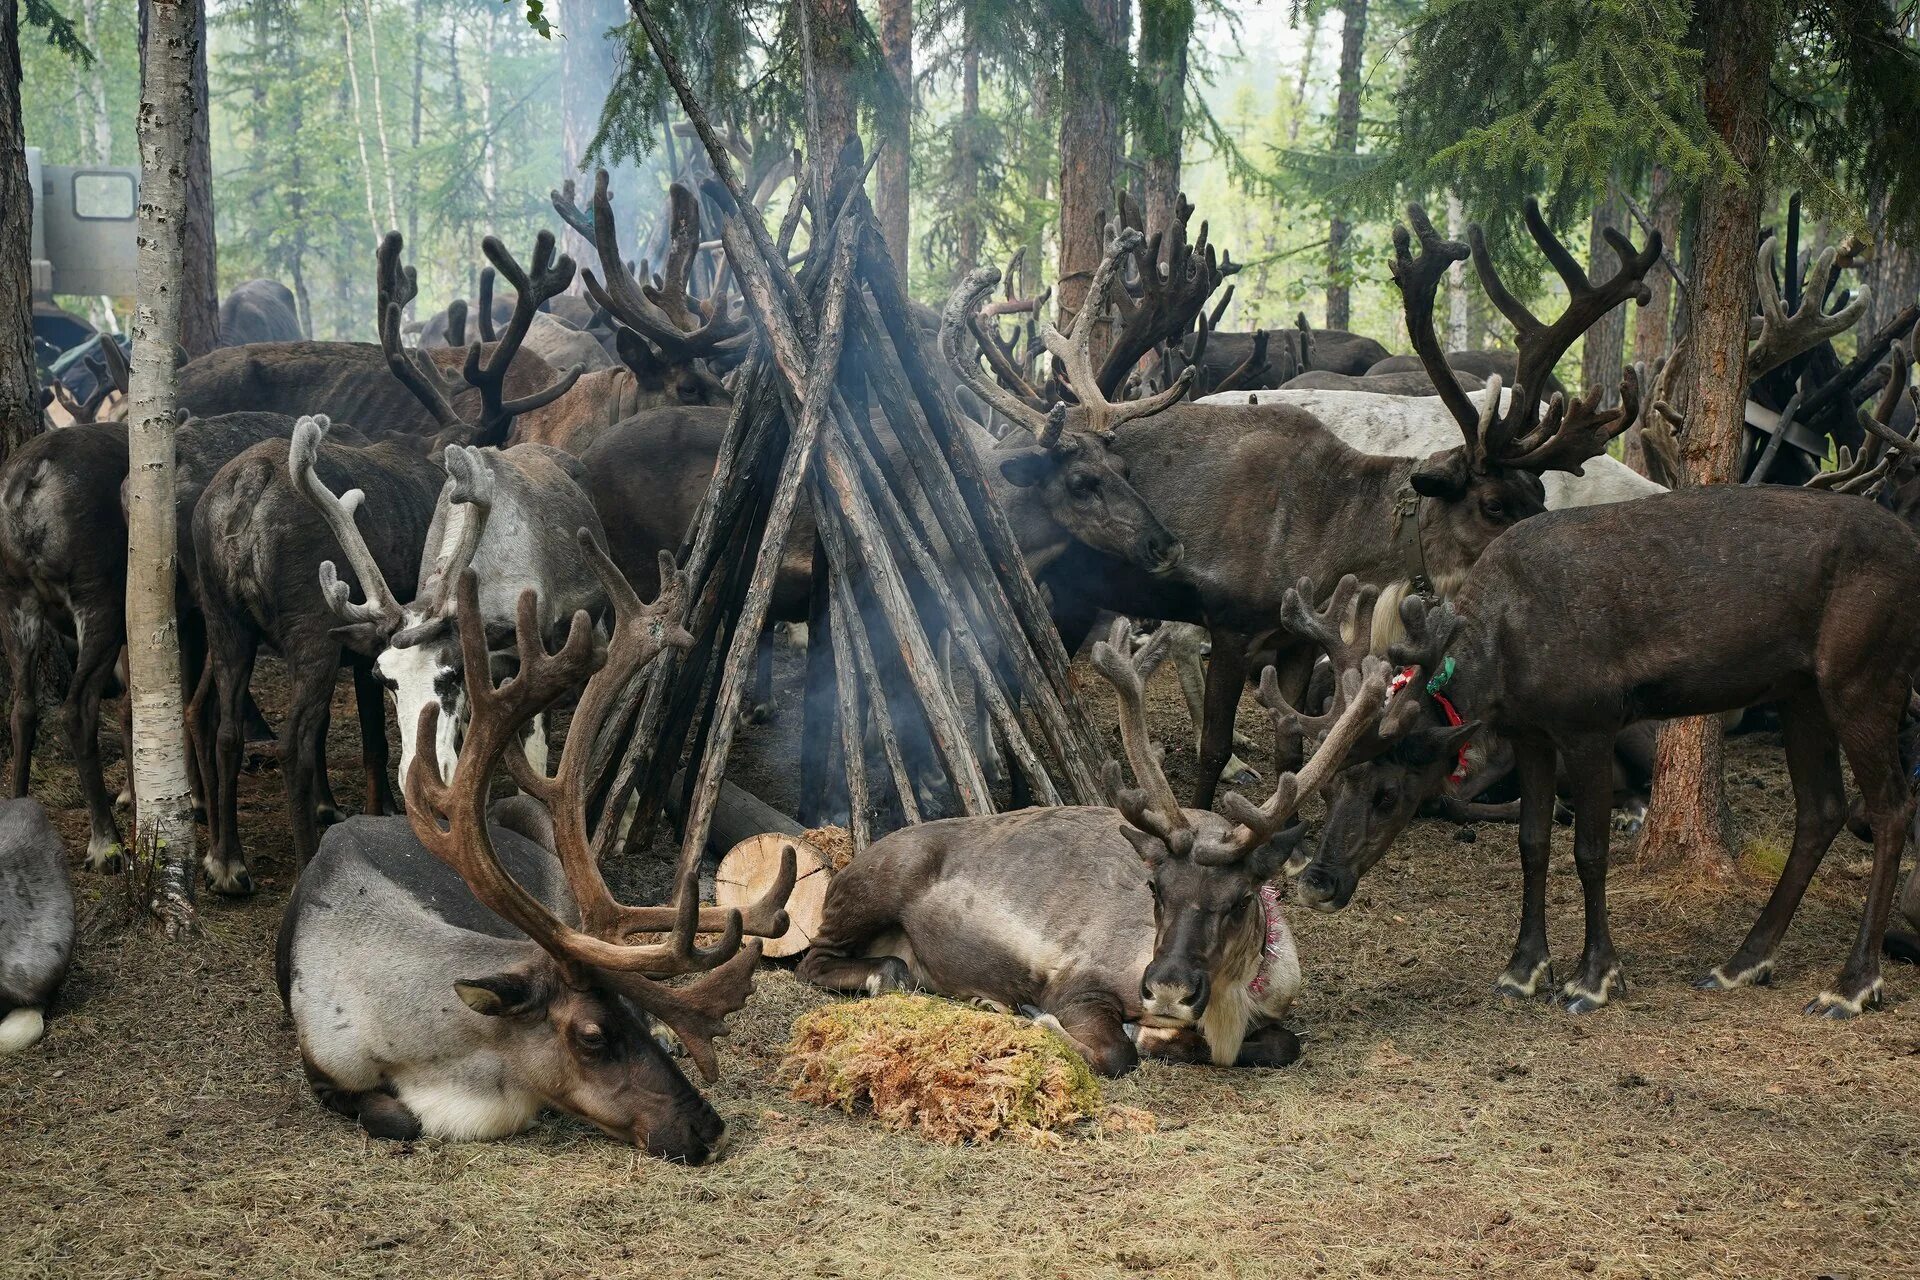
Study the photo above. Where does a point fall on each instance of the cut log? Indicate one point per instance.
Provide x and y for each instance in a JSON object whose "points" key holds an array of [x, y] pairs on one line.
{"points": [[753, 865]]}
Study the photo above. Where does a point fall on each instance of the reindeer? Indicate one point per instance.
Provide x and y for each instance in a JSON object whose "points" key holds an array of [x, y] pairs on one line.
{"points": [[259, 311], [1580, 622], [107, 369], [1300, 500], [36, 921], [1151, 914], [500, 511], [554, 992]]}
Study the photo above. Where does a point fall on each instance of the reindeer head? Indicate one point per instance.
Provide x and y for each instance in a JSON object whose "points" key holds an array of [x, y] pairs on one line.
{"points": [[1383, 776], [587, 1000], [1205, 870], [667, 338], [1492, 479], [1071, 465], [415, 648]]}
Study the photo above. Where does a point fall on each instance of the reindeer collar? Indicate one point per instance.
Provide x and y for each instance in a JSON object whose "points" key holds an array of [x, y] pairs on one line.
{"points": [[1410, 538], [1438, 681]]}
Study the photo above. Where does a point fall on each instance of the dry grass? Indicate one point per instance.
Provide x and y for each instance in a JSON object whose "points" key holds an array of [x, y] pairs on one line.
{"points": [[163, 1128], [940, 1069]]}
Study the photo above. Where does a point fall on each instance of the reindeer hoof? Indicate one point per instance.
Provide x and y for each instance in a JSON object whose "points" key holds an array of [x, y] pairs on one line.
{"points": [[1839, 1008], [1515, 984], [1239, 774], [327, 815], [1581, 999], [106, 856], [124, 800], [228, 882], [1722, 978], [755, 713]]}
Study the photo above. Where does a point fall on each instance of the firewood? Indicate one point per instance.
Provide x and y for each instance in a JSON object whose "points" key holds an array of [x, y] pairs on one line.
{"points": [[753, 864]]}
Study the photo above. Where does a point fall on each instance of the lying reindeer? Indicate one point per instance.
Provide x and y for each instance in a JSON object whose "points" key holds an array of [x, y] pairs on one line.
{"points": [[36, 921], [1576, 623], [554, 994], [1155, 914]]}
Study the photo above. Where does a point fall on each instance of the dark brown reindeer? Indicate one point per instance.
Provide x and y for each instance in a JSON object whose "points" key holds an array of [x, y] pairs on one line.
{"points": [[1151, 914], [556, 979], [1259, 495], [1696, 602]]}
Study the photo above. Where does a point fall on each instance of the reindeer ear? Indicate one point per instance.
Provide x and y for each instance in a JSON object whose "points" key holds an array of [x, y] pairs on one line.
{"points": [[1151, 850], [1027, 468], [369, 639], [503, 995], [1266, 862], [1444, 475], [638, 355]]}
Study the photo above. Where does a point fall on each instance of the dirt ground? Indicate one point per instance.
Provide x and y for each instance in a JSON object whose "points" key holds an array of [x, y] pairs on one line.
{"points": [[163, 1128]]}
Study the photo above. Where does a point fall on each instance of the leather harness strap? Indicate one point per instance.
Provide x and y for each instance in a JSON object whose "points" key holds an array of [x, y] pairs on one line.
{"points": [[1407, 537]]}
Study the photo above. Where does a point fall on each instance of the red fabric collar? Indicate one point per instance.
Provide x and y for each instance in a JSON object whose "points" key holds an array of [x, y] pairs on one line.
{"points": [[1447, 708]]}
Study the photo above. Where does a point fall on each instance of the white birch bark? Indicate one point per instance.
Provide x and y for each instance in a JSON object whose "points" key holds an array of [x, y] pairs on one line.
{"points": [[163, 849]]}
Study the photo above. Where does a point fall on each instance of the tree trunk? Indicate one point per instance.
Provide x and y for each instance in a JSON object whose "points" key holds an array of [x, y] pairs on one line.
{"points": [[1893, 273], [198, 283], [19, 381], [1089, 161], [380, 116], [359, 121], [1039, 180], [1685, 826], [1166, 28], [1459, 323], [831, 120], [1306, 79], [171, 98], [1603, 350], [1653, 323], [1346, 143], [970, 240], [893, 131]]}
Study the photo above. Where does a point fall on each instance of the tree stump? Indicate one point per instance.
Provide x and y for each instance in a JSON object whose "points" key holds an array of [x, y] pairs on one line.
{"points": [[751, 866]]}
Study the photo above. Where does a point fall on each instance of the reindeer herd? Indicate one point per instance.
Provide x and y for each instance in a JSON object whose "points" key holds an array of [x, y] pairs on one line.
{"points": [[1445, 585]]}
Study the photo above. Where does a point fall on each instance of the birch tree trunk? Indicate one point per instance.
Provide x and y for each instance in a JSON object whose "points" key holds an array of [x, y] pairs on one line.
{"points": [[1458, 322], [1305, 81], [163, 846], [1685, 825], [19, 380], [380, 116], [1346, 143], [893, 132]]}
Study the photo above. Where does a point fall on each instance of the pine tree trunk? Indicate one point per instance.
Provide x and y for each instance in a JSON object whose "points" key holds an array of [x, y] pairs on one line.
{"points": [[1089, 161], [966, 153], [1346, 143], [831, 113], [1685, 826], [170, 100], [1166, 28], [1653, 323], [19, 381], [1603, 350], [1893, 273], [893, 131]]}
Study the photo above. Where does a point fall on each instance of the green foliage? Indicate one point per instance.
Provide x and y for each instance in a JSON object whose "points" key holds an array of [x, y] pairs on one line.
{"points": [[59, 31]]}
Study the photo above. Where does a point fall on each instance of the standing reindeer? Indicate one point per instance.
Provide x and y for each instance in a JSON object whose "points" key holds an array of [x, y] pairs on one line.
{"points": [[554, 993], [1154, 914], [1579, 622]]}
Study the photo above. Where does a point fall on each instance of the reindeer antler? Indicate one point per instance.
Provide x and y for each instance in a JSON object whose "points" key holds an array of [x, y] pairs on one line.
{"points": [[621, 296], [381, 606], [1151, 807], [1777, 336], [598, 950]]}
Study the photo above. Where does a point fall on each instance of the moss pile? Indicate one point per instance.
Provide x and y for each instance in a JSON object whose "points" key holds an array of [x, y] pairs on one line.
{"points": [[953, 1073]]}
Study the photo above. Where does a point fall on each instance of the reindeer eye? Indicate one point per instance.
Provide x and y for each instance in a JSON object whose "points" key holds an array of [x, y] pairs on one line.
{"points": [[590, 1037], [1081, 485]]}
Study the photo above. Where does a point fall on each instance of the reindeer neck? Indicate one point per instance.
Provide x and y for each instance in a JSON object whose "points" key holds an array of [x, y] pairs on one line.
{"points": [[1472, 684]]}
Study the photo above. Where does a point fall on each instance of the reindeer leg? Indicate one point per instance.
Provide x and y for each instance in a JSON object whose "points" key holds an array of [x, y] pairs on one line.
{"points": [[1870, 740], [232, 665], [99, 637], [1590, 764], [312, 679], [326, 809], [757, 706], [1226, 678], [370, 708], [1532, 963], [21, 625], [1093, 1025], [1819, 798]]}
